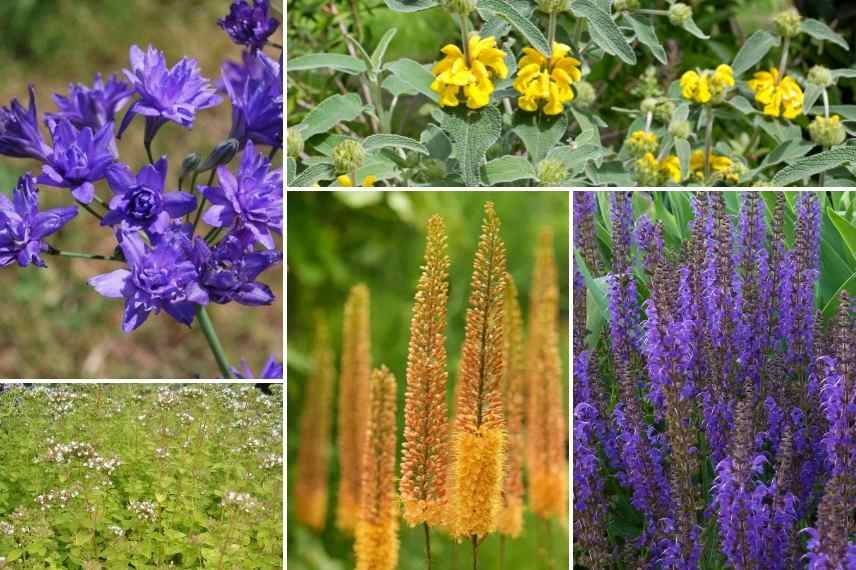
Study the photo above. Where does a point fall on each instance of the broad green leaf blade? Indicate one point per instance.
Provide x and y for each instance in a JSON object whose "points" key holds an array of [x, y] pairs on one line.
{"points": [[598, 311], [684, 152], [815, 164], [410, 5], [604, 30], [787, 151], [538, 132], [576, 157], [753, 51], [507, 169], [847, 112], [359, 47], [820, 31], [377, 142], [380, 51], [843, 73], [812, 94], [522, 24], [338, 61], [847, 230], [290, 170], [435, 140], [693, 28], [415, 76], [397, 87], [313, 174], [472, 134], [742, 104], [647, 35], [331, 111]]}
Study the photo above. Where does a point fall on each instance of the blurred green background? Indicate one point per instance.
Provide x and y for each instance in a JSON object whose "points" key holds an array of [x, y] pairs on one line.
{"points": [[52, 324], [339, 239]]}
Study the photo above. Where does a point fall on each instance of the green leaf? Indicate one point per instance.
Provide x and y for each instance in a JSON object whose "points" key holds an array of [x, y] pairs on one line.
{"points": [[313, 174], [684, 152], [415, 76], [435, 140], [812, 94], [753, 51], [843, 73], [377, 142], [330, 112], [290, 170], [410, 5], [820, 31], [472, 134], [847, 112], [647, 35], [815, 164], [507, 169], [338, 61], [598, 310], [692, 28], [846, 229], [538, 132], [742, 104], [522, 24], [380, 51], [576, 157], [397, 87], [604, 31], [787, 151]]}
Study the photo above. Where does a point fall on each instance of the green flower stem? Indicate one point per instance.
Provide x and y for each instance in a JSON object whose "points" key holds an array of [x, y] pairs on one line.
{"points": [[213, 342], [212, 235], [383, 115], [825, 103], [61, 253], [475, 540], [708, 144], [427, 544], [202, 203], [551, 32], [465, 39], [90, 210], [647, 12], [783, 63], [102, 202]]}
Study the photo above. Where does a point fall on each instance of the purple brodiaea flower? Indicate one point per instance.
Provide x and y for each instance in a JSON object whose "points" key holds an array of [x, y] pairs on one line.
{"points": [[272, 370], [19, 131], [251, 199], [79, 158], [92, 106], [140, 202], [249, 24], [229, 271], [166, 94], [157, 278], [23, 228], [256, 102]]}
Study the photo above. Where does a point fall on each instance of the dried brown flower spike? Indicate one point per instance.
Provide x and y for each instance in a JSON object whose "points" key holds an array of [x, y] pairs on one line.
{"points": [[478, 439], [353, 403], [376, 546], [310, 488]]}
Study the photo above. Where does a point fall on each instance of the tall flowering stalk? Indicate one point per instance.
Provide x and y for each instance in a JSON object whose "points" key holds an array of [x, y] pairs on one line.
{"points": [[310, 488], [424, 451], [353, 403], [585, 239], [513, 380], [376, 545], [546, 426], [478, 436]]}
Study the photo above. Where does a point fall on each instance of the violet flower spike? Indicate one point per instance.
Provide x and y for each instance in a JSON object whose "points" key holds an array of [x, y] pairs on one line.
{"points": [[160, 278], [251, 199], [19, 130], [140, 203], [79, 158], [23, 227], [92, 106], [256, 102], [248, 23], [272, 370]]}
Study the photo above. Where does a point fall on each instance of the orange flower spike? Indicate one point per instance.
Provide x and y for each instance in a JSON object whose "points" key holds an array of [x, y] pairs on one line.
{"points": [[511, 516], [376, 545], [546, 426], [478, 440], [353, 403], [424, 451], [310, 488]]}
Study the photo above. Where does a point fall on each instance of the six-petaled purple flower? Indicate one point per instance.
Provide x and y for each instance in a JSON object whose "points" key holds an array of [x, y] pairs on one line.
{"points": [[256, 96], [92, 106], [229, 271], [249, 23], [79, 158], [19, 130]]}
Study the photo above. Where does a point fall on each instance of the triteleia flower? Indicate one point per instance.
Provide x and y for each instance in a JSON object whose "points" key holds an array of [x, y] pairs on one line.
{"points": [[424, 457], [93, 106], [546, 427], [256, 102], [780, 97], [79, 158], [345, 180], [353, 403], [454, 73], [19, 130], [478, 438], [249, 23], [707, 86], [140, 202], [250, 199], [229, 270], [310, 484], [23, 227], [271, 370], [546, 80], [158, 278], [164, 94], [376, 545]]}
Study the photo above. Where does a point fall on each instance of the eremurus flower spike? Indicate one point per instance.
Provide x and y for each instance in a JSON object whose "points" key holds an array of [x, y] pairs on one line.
{"points": [[311, 482], [478, 439], [546, 430], [353, 403], [376, 545], [513, 380], [424, 450]]}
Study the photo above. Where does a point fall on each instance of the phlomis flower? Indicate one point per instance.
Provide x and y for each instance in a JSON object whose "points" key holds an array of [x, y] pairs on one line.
{"points": [[707, 86], [779, 97], [475, 77], [546, 80]]}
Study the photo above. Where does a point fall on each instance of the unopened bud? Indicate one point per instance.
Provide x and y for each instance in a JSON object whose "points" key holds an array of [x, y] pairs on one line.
{"points": [[680, 129], [222, 154], [788, 23], [551, 172], [460, 7], [624, 5], [680, 13], [649, 105], [827, 132], [663, 111], [348, 156], [189, 165], [294, 142], [553, 6], [585, 94], [820, 76]]}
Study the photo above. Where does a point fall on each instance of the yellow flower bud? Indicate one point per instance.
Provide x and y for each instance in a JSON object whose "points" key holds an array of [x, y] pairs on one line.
{"points": [[294, 142], [820, 76], [551, 172], [553, 6], [624, 5], [827, 132], [788, 23], [348, 156], [642, 142], [460, 7]]}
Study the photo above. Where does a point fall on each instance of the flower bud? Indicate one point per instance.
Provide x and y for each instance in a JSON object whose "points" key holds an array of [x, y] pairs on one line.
{"points": [[788, 23], [294, 144], [624, 5], [585, 94], [348, 156], [642, 142], [551, 172], [663, 111], [820, 76], [827, 132], [646, 171], [649, 105], [649, 84], [222, 154], [680, 129], [189, 165], [680, 13], [553, 6], [461, 7]]}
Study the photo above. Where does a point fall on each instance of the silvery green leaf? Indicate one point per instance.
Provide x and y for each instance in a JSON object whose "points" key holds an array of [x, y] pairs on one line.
{"points": [[604, 31], [313, 174], [435, 140], [377, 142], [290, 170], [331, 111], [525, 26], [786, 152], [394, 85], [410, 5], [820, 31], [576, 157], [753, 51], [647, 35], [847, 112], [414, 75], [538, 132], [684, 152], [812, 94], [742, 104], [843, 73], [472, 134], [815, 164], [507, 169], [692, 28], [380, 51], [338, 61]]}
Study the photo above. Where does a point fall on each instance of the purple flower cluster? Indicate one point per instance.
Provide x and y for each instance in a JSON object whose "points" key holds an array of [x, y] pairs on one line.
{"points": [[249, 23]]}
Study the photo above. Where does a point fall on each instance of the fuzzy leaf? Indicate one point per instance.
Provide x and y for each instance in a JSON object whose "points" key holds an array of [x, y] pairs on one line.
{"points": [[522, 24], [812, 93], [330, 112], [338, 61], [313, 174], [647, 35], [380, 51], [472, 134], [410, 5], [538, 132], [604, 31], [693, 28], [507, 169], [753, 51], [684, 152], [847, 112], [815, 164], [820, 31], [376, 142], [415, 76], [846, 229], [575, 158]]}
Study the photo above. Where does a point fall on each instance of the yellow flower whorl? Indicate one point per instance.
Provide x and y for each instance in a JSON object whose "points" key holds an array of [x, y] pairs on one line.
{"points": [[475, 77], [546, 80], [707, 86], [779, 97]]}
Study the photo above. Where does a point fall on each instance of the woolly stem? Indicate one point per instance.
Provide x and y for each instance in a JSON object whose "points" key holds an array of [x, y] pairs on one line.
{"points": [[427, 544], [783, 63], [465, 40], [551, 31], [708, 144], [213, 342]]}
